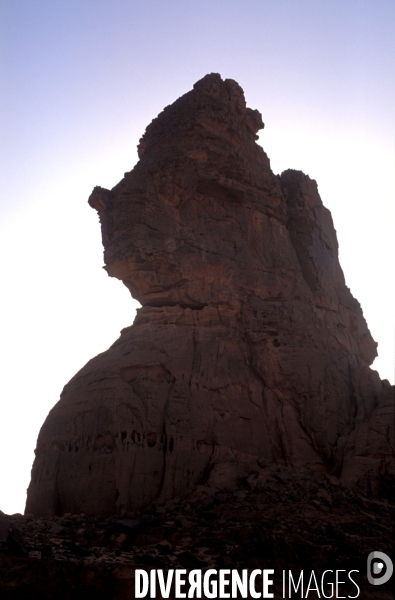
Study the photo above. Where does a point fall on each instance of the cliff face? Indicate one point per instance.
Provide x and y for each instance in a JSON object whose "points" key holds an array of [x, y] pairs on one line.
{"points": [[249, 350]]}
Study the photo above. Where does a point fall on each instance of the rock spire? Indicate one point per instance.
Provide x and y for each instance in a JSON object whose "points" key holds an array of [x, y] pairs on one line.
{"points": [[249, 350]]}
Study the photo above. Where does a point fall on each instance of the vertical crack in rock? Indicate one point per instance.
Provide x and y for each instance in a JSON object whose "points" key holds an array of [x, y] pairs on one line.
{"points": [[249, 350]]}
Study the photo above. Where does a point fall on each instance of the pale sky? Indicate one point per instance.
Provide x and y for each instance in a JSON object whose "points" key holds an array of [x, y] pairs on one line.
{"points": [[80, 81]]}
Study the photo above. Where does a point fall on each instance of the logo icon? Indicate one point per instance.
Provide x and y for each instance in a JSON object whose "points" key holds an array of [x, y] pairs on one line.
{"points": [[379, 564]]}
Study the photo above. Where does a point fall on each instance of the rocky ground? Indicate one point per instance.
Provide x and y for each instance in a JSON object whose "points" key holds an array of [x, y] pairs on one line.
{"points": [[291, 521]]}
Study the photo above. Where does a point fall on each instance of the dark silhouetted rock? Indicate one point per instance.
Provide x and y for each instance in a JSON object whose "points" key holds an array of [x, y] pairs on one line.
{"points": [[4, 525], [16, 542], [249, 350]]}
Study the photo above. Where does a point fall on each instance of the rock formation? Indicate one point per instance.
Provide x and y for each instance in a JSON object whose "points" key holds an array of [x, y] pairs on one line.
{"points": [[249, 350]]}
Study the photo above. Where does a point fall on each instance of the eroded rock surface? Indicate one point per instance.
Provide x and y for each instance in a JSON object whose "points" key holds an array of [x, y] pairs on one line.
{"points": [[249, 350]]}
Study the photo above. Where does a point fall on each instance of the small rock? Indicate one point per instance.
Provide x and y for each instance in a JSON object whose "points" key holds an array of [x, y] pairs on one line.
{"points": [[120, 539], [78, 550], [129, 523], [56, 529], [102, 523], [164, 547], [188, 560], [240, 494], [90, 533], [221, 497]]}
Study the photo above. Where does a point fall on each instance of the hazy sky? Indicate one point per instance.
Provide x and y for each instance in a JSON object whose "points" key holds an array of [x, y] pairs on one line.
{"points": [[80, 81]]}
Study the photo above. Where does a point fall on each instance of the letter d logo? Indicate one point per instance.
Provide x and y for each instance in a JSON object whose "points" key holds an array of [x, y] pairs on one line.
{"points": [[378, 563]]}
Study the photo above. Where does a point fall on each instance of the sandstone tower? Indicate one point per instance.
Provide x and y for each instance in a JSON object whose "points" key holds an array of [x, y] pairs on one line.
{"points": [[249, 350]]}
